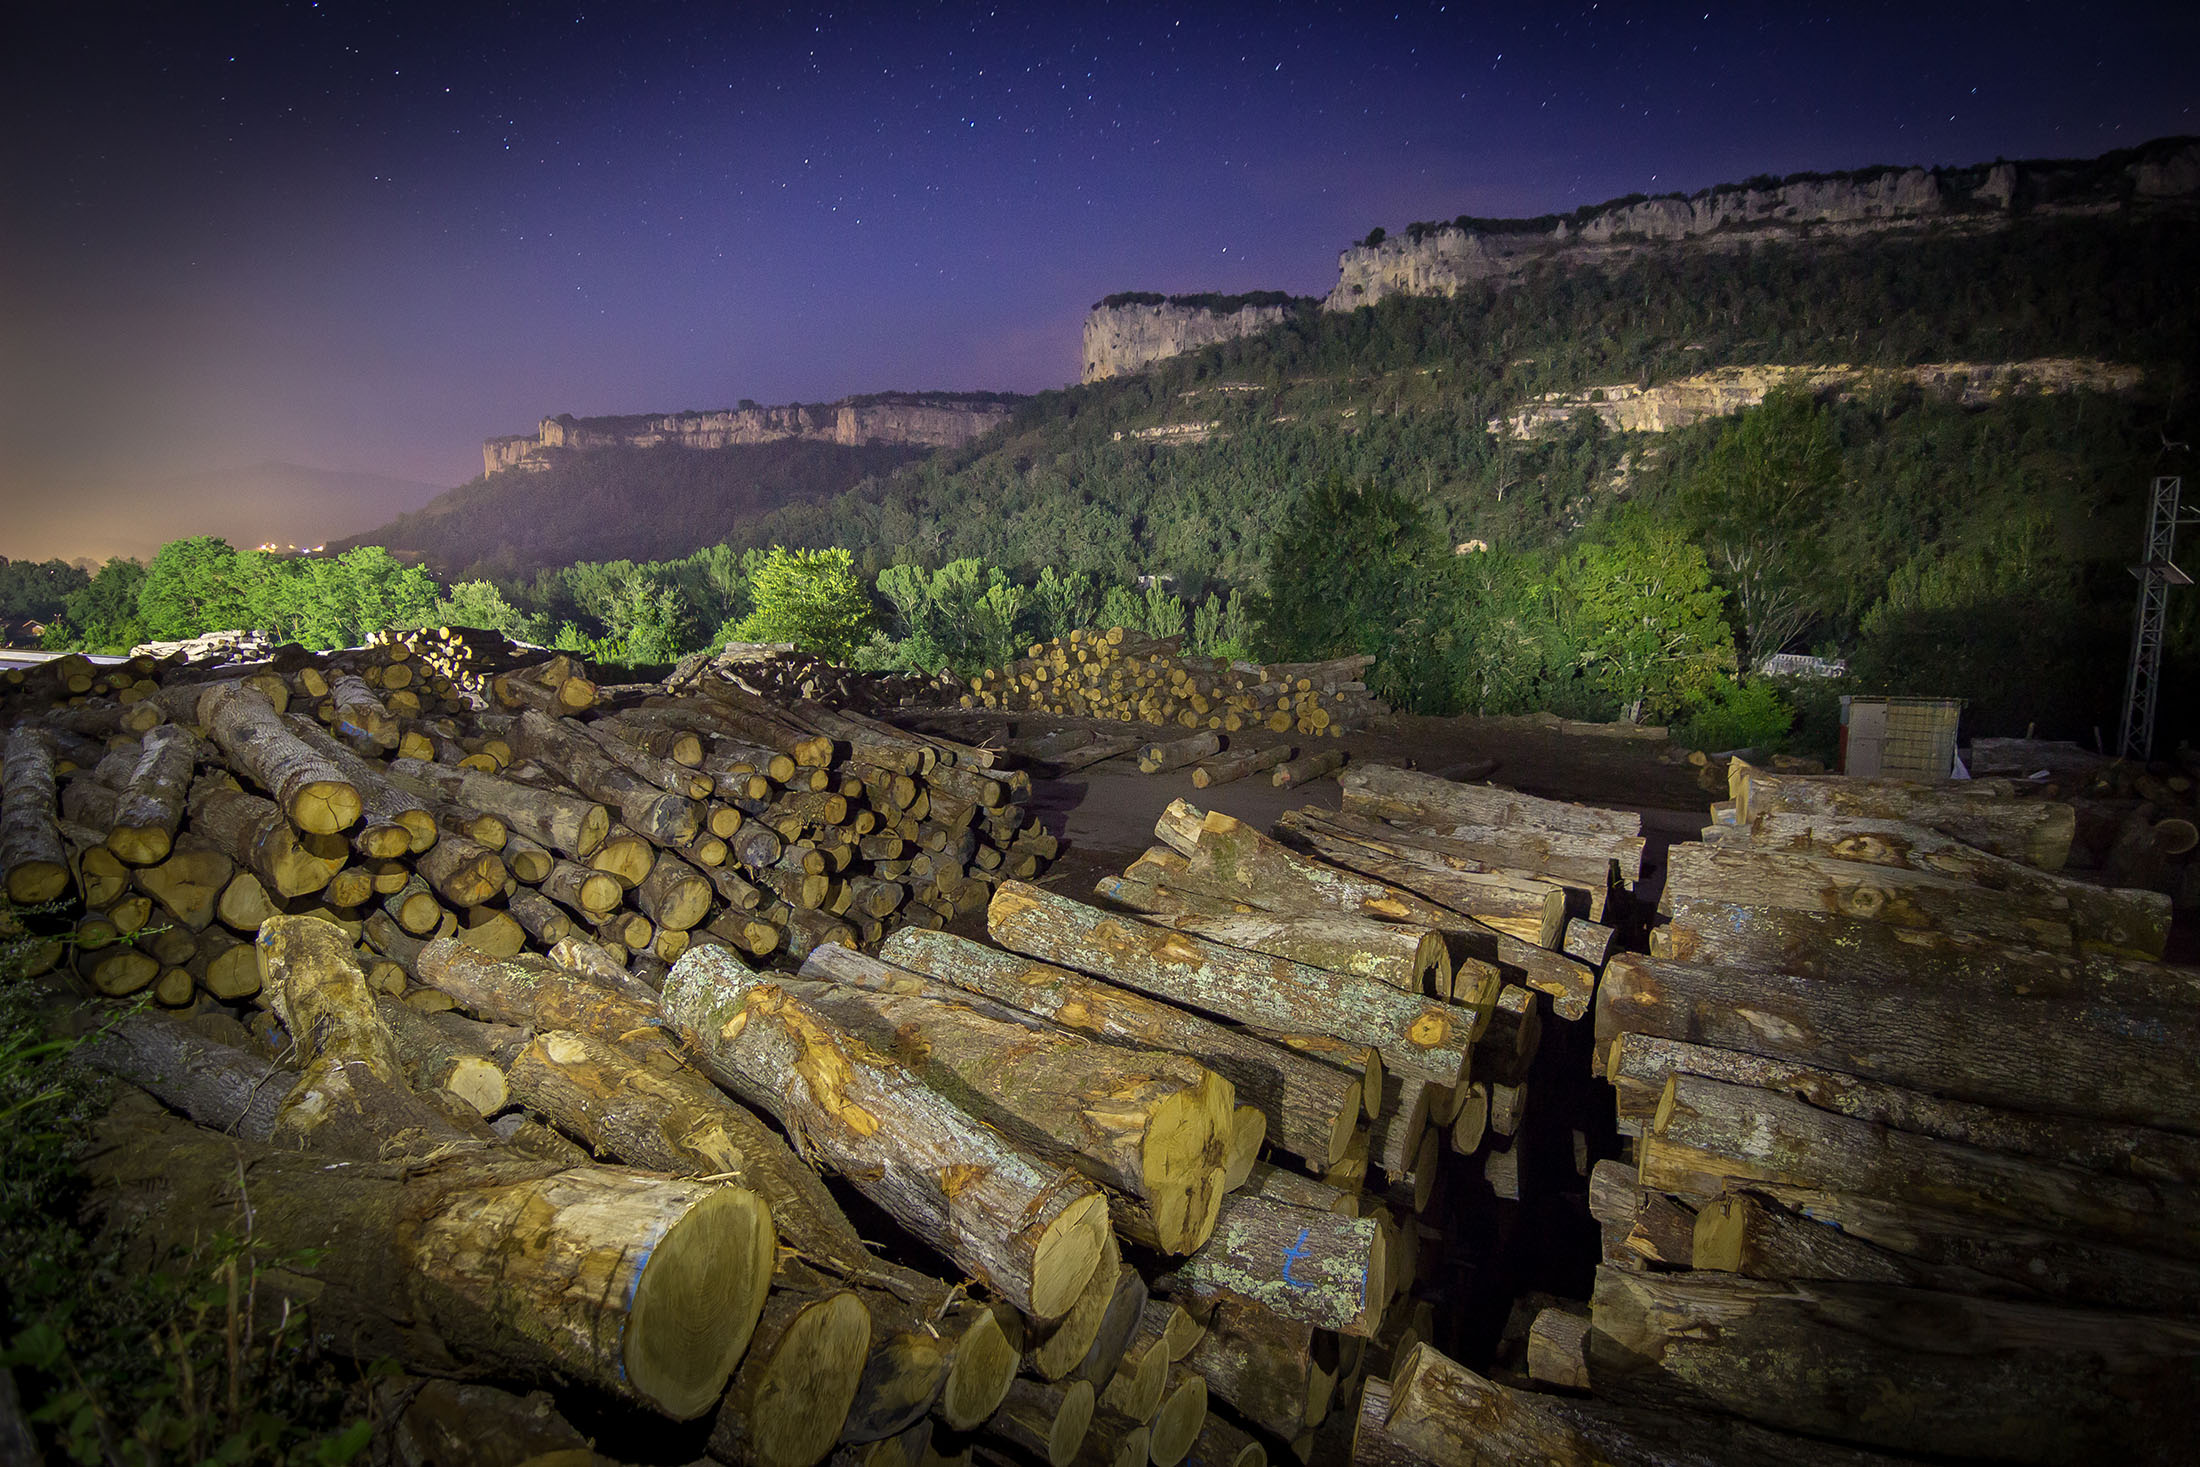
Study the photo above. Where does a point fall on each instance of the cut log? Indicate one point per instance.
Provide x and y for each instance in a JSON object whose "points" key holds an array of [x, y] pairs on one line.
{"points": [[1530, 910], [224, 1087], [790, 1395], [1237, 766], [589, 894], [1176, 1423], [1306, 769], [661, 817], [32, 854], [544, 921], [1320, 1268], [1583, 860], [1413, 959], [253, 833], [1426, 1038], [1044, 1421], [448, 1053], [1031, 1234], [2128, 921], [1154, 1126], [566, 823], [2048, 1386], [1058, 1347], [1914, 900], [1176, 753], [1709, 1135], [150, 812], [1860, 1241], [463, 874], [2111, 1062], [1977, 812], [674, 895], [1558, 1346], [1120, 1324], [1231, 859], [470, 1267], [1310, 1108], [1220, 1444], [312, 793], [1259, 1362], [531, 991], [1640, 1064], [1817, 945], [352, 1097], [188, 885], [1422, 799], [624, 1108], [396, 822]]}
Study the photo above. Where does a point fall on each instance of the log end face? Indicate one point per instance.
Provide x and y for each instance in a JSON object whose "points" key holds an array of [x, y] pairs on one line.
{"points": [[985, 1366], [696, 1298], [1068, 1251]]}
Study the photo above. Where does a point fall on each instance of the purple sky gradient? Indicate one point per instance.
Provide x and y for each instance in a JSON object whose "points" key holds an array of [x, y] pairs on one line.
{"points": [[362, 238]]}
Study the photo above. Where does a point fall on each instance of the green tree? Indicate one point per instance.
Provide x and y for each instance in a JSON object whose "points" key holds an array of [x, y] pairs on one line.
{"points": [[1164, 612], [1654, 637], [103, 616], [194, 586], [1063, 602], [38, 589], [1760, 501], [1344, 571], [481, 604], [813, 599], [1121, 607]]}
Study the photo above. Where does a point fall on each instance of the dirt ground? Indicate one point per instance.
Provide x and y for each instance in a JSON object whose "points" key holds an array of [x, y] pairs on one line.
{"points": [[1105, 815]]}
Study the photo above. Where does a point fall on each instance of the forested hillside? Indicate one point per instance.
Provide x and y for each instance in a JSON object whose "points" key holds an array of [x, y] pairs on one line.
{"points": [[618, 502]]}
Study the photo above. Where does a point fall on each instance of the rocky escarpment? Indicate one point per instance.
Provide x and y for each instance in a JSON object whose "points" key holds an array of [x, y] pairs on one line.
{"points": [[1444, 258], [903, 419], [1627, 408], [1125, 332]]}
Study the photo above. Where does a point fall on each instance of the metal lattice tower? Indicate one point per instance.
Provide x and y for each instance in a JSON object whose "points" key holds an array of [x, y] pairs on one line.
{"points": [[2157, 572]]}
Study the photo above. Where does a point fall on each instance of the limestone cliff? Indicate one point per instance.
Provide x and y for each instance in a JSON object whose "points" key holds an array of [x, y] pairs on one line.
{"points": [[923, 420], [1626, 408], [1444, 258], [1125, 332]]}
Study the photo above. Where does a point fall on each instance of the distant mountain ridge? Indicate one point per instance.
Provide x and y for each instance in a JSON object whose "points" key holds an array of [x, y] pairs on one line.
{"points": [[899, 419], [1130, 330]]}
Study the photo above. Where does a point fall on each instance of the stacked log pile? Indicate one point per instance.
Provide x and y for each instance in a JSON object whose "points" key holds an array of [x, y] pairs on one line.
{"points": [[779, 671], [1124, 676], [366, 786], [1913, 1138]]}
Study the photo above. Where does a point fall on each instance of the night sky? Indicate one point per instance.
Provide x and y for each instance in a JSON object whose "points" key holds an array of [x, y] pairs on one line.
{"points": [[360, 238]]}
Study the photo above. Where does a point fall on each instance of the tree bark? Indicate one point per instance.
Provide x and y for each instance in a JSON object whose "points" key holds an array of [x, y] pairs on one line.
{"points": [[1310, 1108], [674, 894], [1709, 1136], [1426, 1038], [1821, 945], [221, 1086], [2106, 1061], [1580, 859], [1895, 1243], [1259, 1362], [1228, 858], [1411, 959], [1155, 1126], [312, 793], [2130, 922], [352, 1096], [1641, 1063], [672, 1120], [1306, 769], [445, 1052], [1031, 1234], [1423, 799], [531, 992], [1978, 812], [566, 823], [1176, 753], [641, 1286], [1317, 1267], [663, 818], [463, 874], [1909, 899], [32, 854], [1044, 1421], [1531, 911], [1902, 1369]]}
